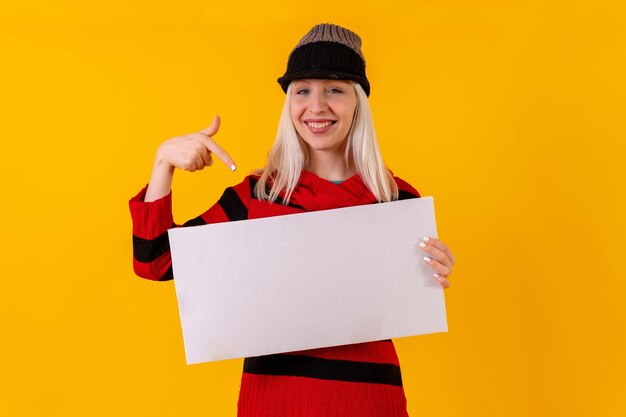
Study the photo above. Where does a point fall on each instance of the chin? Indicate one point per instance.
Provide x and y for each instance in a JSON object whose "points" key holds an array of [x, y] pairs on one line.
{"points": [[323, 146]]}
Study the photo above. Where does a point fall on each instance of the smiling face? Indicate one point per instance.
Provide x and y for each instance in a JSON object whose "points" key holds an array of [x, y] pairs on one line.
{"points": [[322, 113]]}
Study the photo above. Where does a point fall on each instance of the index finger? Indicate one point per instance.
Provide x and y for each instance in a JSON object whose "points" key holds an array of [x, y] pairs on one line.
{"points": [[218, 151]]}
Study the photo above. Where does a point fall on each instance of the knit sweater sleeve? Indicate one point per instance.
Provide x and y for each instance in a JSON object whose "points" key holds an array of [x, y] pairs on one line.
{"points": [[151, 220]]}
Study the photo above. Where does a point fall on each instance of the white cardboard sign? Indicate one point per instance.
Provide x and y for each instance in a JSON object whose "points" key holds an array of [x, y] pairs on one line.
{"points": [[307, 280]]}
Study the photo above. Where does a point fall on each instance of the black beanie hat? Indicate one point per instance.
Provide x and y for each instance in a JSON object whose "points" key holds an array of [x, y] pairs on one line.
{"points": [[327, 51]]}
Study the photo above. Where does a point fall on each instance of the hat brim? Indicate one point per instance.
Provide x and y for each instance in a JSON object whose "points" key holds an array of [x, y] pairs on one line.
{"points": [[323, 74]]}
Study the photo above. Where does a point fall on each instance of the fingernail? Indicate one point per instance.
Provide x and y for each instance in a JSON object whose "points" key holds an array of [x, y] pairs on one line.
{"points": [[422, 244], [425, 239], [436, 275], [426, 258], [233, 167]]}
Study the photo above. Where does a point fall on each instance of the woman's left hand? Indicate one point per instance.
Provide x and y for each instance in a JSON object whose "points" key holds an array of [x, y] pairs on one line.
{"points": [[440, 259]]}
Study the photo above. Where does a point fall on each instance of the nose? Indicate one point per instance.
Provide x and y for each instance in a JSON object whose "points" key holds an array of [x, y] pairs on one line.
{"points": [[318, 103]]}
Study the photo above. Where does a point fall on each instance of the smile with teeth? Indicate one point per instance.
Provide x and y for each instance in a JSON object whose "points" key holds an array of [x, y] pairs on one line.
{"points": [[319, 125]]}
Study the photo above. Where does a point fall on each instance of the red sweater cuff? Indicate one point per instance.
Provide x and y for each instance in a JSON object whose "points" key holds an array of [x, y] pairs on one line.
{"points": [[153, 218]]}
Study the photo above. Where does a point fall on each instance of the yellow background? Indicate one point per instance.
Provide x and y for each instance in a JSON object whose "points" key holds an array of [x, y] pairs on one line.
{"points": [[509, 113]]}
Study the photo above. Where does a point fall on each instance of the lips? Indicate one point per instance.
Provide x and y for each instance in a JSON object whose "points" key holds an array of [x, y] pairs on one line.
{"points": [[319, 123], [319, 126]]}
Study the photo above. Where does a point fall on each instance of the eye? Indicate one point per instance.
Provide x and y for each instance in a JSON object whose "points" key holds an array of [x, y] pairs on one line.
{"points": [[335, 89], [305, 90]]}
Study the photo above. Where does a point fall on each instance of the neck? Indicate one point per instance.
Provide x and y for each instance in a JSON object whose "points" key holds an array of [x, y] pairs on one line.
{"points": [[329, 166]]}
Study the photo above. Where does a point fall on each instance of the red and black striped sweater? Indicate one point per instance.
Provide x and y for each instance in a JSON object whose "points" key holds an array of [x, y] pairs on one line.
{"points": [[361, 379]]}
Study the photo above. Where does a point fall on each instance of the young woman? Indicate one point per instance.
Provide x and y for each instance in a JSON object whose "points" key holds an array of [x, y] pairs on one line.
{"points": [[325, 156]]}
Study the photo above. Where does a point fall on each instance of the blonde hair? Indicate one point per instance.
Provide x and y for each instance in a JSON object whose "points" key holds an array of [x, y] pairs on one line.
{"points": [[289, 155]]}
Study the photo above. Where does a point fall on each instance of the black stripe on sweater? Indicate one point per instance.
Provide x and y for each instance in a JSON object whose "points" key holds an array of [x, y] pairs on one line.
{"points": [[268, 188], [196, 221], [405, 195], [333, 369], [232, 205], [168, 275], [148, 250]]}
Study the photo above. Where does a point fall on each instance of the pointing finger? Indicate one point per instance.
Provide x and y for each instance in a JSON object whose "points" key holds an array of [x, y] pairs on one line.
{"points": [[221, 154], [216, 149]]}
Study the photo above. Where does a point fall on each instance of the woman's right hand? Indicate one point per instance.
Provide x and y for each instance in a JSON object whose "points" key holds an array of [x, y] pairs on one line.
{"points": [[189, 152], [194, 151]]}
